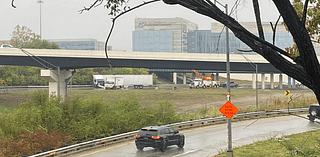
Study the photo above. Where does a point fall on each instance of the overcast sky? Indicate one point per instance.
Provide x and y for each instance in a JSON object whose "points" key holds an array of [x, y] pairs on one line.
{"points": [[61, 19]]}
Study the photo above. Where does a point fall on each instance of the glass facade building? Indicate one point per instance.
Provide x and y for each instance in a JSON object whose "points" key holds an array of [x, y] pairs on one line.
{"points": [[161, 34], [152, 41], [204, 41], [214, 40], [79, 44]]}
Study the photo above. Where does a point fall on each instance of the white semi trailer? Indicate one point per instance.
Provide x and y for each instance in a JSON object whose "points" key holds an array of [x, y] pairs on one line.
{"points": [[124, 81]]}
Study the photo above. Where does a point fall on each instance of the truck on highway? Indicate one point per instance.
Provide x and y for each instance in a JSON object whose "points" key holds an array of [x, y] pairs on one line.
{"points": [[122, 81], [201, 83]]}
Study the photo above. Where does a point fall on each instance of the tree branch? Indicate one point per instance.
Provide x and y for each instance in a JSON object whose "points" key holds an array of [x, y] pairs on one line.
{"points": [[258, 19], [305, 9], [92, 5], [297, 29], [271, 52], [113, 23], [12, 4], [274, 29]]}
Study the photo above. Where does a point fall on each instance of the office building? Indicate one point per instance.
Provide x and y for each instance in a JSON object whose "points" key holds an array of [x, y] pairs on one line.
{"points": [[214, 41], [78, 44], [161, 34]]}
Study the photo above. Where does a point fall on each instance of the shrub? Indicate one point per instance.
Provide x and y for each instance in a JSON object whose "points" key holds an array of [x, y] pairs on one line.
{"points": [[31, 143]]}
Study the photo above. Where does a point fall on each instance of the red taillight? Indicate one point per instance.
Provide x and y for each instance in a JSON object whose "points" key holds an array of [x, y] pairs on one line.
{"points": [[137, 136], [155, 137]]}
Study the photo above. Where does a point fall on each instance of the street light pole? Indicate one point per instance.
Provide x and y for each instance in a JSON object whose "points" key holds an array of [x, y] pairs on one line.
{"points": [[257, 101], [40, 1]]}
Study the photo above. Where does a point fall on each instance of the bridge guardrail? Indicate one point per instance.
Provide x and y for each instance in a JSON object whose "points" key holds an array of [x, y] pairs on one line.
{"points": [[81, 147]]}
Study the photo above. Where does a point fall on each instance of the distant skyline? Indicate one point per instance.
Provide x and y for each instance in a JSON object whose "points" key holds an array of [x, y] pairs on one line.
{"points": [[61, 19]]}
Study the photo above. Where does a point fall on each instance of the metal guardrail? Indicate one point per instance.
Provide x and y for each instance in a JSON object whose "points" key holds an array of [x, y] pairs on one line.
{"points": [[81, 147]]}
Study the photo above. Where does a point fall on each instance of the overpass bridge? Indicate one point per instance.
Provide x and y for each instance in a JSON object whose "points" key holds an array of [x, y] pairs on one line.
{"points": [[62, 61]]}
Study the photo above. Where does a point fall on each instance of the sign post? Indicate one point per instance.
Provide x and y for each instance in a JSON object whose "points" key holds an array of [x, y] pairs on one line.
{"points": [[228, 109]]}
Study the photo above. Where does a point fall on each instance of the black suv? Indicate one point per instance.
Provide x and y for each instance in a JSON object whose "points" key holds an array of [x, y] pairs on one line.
{"points": [[158, 137]]}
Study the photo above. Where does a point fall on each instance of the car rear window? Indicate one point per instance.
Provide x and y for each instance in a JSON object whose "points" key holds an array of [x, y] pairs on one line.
{"points": [[148, 132]]}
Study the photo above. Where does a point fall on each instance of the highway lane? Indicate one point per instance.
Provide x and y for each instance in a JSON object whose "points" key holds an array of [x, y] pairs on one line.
{"points": [[208, 141]]}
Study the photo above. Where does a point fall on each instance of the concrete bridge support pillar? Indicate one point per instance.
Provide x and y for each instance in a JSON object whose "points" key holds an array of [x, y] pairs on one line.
{"points": [[289, 82], [193, 76], [280, 81], [217, 76], [263, 79], [253, 81], [184, 78], [174, 77], [56, 82], [294, 83], [212, 77], [271, 81]]}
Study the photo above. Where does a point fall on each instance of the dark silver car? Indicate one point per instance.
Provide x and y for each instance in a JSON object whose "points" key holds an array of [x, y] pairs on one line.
{"points": [[232, 84], [158, 137]]}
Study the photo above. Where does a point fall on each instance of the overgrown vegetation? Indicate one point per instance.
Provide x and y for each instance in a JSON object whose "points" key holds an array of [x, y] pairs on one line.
{"points": [[27, 76], [87, 115], [81, 119], [303, 144]]}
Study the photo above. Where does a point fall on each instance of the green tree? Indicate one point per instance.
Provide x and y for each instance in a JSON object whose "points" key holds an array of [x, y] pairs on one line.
{"points": [[23, 37], [21, 76], [125, 71], [41, 44], [83, 76]]}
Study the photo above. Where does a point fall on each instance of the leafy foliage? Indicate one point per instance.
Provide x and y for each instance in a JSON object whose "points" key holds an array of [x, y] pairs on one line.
{"points": [[23, 36], [41, 44], [125, 71], [82, 119], [31, 143], [312, 22], [83, 76], [20, 76]]}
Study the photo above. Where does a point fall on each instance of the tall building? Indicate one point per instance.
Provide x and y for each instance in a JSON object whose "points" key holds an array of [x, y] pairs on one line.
{"points": [[214, 41], [161, 34], [78, 44]]}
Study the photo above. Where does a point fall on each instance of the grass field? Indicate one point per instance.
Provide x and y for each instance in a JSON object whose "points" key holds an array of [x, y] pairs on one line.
{"points": [[303, 144], [184, 100]]}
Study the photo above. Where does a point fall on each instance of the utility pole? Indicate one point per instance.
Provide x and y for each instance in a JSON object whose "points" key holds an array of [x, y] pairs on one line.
{"points": [[229, 151], [40, 1]]}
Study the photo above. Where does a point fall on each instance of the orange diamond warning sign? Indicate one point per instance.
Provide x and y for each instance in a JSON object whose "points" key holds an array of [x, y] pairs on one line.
{"points": [[228, 109]]}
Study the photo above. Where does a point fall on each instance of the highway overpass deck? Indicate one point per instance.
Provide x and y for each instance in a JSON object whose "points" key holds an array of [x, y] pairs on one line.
{"points": [[74, 59]]}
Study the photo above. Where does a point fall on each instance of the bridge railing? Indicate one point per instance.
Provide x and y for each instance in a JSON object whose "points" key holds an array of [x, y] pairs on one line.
{"points": [[98, 143]]}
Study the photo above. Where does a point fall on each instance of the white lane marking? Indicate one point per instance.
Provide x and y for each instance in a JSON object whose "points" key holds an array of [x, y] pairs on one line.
{"points": [[187, 152]]}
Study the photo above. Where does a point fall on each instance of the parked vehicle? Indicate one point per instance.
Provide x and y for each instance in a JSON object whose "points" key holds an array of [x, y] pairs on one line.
{"points": [[114, 83], [314, 112], [122, 81], [98, 81], [203, 82], [158, 137], [6, 46], [200, 83], [232, 84]]}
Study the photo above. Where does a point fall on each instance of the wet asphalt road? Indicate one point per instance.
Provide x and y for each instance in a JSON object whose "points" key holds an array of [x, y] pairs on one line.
{"points": [[208, 141]]}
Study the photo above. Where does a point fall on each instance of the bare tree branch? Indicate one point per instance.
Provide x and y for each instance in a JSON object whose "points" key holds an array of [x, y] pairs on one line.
{"points": [[305, 9], [274, 29], [92, 5], [113, 22], [13, 4], [258, 19]]}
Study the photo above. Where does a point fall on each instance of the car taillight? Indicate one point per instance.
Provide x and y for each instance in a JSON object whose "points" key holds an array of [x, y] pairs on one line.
{"points": [[155, 137], [137, 136]]}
